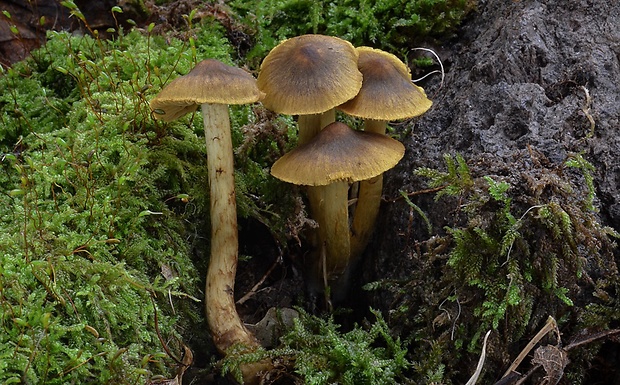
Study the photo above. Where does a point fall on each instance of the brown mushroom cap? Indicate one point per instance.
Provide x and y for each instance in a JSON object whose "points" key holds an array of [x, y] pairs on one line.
{"points": [[387, 92], [211, 81], [309, 74], [338, 153]]}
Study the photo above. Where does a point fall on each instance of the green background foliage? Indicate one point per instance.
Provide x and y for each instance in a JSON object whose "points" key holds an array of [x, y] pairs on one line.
{"points": [[393, 25], [103, 208]]}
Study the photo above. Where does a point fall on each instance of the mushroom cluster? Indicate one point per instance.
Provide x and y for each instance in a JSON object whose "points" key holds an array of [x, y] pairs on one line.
{"points": [[310, 76], [336, 157]]}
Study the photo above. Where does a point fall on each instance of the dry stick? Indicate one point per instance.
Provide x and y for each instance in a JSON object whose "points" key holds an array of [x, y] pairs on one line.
{"points": [[188, 355], [586, 110], [572, 345], [527, 375], [592, 338], [82, 363], [161, 339], [549, 325], [483, 355], [254, 288]]}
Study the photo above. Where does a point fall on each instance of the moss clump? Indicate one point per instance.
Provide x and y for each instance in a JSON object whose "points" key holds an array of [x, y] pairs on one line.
{"points": [[315, 351], [86, 234], [523, 243], [385, 24], [102, 208]]}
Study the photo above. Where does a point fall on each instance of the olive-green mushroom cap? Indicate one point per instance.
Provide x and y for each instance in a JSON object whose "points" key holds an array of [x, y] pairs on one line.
{"points": [[309, 74], [210, 81], [338, 153], [387, 92]]}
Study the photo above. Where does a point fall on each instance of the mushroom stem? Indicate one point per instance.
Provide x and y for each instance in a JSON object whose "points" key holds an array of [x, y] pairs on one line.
{"points": [[312, 124], [337, 156], [376, 126], [333, 219], [224, 321], [368, 201], [328, 204]]}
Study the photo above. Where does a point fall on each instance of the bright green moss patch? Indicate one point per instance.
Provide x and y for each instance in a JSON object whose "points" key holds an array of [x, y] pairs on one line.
{"points": [[316, 351], [85, 228], [387, 24], [101, 208]]}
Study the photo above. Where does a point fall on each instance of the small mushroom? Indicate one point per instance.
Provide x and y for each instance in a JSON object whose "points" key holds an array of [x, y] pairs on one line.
{"points": [[309, 76], [334, 158], [214, 85], [387, 93]]}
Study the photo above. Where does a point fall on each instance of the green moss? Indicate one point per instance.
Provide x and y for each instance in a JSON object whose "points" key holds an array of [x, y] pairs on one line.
{"points": [[523, 242], [319, 353], [387, 24], [102, 208]]}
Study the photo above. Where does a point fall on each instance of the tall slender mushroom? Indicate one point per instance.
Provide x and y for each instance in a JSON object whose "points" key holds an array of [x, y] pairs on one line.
{"points": [[309, 76], [214, 85], [387, 93], [334, 158]]}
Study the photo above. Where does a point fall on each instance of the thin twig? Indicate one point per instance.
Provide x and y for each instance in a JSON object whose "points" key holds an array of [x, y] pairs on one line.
{"points": [[519, 220], [418, 192], [458, 315], [161, 339], [586, 110], [527, 375], [483, 355], [443, 72], [549, 325], [254, 288], [592, 338]]}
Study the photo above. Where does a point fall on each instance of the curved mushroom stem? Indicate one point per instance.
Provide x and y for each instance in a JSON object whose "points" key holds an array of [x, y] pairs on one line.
{"points": [[224, 322], [368, 201]]}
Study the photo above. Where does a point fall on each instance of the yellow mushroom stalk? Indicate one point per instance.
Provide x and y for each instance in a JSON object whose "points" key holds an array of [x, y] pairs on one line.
{"points": [[387, 93], [333, 159], [213, 86]]}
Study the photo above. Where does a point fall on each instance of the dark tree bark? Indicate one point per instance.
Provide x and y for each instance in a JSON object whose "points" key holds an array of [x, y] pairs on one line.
{"points": [[517, 78], [522, 76]]}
